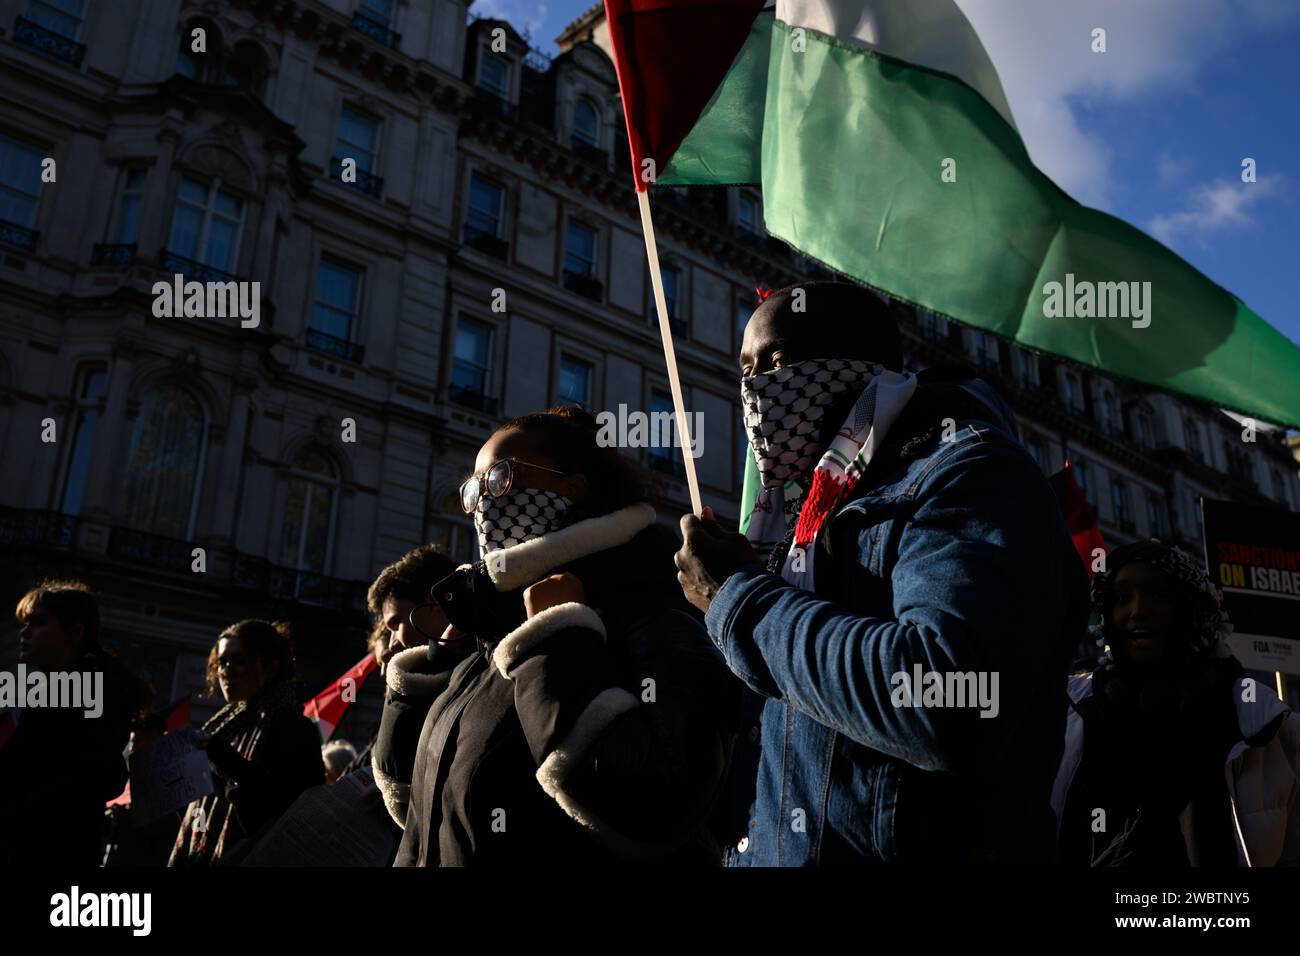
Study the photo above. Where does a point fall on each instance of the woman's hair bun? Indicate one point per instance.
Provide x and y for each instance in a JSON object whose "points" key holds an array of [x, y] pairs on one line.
{"points": [[575, 414]]}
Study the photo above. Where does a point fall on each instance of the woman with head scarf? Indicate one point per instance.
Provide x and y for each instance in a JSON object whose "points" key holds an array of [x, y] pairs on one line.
{"points": [[1173, 757], [262, 750], [590, 720]]}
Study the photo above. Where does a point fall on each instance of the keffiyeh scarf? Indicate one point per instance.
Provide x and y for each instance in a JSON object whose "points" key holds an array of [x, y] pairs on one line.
{"points": [[1210, 626], [518, 517], [784, 413]]}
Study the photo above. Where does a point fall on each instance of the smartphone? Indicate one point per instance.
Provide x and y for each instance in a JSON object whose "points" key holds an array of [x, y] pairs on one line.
{"points": [[475, 607]]}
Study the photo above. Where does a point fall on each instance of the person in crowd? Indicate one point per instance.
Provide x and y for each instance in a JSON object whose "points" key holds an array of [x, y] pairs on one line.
{"points": [[127, 843], [338, 756], [262, 750], [910, 627], [405, 616], [1173, 756], [589, 721], [59, 765]]}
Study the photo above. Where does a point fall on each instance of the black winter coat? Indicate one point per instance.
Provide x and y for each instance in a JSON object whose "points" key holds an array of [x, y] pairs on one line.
{"points": [[263, 754], [59, 769], [579, 737]]}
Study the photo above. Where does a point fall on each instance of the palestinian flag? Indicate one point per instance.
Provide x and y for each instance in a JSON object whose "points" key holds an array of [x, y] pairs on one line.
{"points": [[882, 140], [177, 715], [327, 707], [174, 717], [1079, 519]]}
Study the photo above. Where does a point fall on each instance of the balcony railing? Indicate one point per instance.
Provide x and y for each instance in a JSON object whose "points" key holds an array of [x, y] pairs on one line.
{"points": [[366, 182], [158, 552], [173, 263], [486, 242], [591, 154], [48, 530], [496, 104], [306, 587], [376, 29], [38, 38], [51, 531], [584, 285], [328, 344], [113, 254], [20, 237], [471, 398]]}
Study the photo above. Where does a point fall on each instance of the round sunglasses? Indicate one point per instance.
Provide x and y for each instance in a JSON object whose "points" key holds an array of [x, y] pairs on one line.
{"points": [[495, 482]]}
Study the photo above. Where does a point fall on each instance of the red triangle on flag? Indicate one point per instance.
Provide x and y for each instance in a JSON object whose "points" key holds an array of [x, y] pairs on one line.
{"points": [[671, 56], [327, 707], [177, 715], [1079, 519]]}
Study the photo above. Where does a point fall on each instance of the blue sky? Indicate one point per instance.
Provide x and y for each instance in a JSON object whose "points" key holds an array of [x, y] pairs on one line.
{"points": [[1154, 130]]}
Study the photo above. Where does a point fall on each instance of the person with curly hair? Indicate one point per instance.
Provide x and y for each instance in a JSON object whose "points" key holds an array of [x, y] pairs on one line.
{"points": [[1173, 756], [263, 751]]}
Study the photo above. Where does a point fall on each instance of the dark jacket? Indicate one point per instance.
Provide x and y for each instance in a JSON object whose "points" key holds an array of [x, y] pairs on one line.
{"points": [[60, 768], [415, 678], [263, 755], [952, 556], [579, 737]]}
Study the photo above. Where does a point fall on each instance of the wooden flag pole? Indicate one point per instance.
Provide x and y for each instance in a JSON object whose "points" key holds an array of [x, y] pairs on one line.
{"points": [[670, 356]]}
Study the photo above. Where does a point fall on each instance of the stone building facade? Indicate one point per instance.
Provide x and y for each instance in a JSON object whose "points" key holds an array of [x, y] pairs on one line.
{"points": [[440, 225]]}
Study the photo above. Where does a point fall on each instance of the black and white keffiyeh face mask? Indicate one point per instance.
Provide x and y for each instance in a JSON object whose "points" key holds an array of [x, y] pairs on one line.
{"points": [[518, 517], [785, 408]]}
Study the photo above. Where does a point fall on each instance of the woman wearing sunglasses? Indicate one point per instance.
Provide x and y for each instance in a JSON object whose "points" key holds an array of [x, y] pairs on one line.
{"points": [[597, 727]]}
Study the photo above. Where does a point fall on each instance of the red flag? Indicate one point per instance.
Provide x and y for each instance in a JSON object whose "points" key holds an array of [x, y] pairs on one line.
{"points": [[1079, 520], [327, 707], [671, 55], [177, 715]]}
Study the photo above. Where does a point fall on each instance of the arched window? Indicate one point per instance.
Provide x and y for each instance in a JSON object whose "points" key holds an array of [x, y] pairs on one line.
{"points": [[310, 495], [92, 385], [586, 124], [453, 530], [164, 463], [204, 65], [245, 68]]}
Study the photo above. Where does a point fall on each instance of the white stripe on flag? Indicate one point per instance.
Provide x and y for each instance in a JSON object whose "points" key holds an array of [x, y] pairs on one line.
{"points": [[929, 33]]}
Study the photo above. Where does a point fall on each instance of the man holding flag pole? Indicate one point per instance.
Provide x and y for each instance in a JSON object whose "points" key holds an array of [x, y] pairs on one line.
{"points": [[911, 629], [920, 562]]}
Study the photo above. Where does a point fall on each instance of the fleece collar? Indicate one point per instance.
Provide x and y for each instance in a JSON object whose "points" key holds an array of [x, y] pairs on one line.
{"points": [[527, 563], [404, 674]]}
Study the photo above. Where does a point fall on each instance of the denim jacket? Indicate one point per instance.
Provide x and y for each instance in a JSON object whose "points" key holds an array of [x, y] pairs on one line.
{"points": [[950, 556]]}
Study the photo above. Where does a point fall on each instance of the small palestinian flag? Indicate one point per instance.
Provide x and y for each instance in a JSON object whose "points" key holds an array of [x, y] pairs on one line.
{"points": [[1079, 519], [327, 707]]}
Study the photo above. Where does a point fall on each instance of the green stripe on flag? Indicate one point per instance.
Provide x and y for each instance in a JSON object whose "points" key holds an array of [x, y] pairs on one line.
{"points": [[749, 491]]}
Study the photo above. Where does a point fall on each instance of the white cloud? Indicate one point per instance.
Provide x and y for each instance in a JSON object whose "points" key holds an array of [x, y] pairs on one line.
{"points": [[1213, 207], [527, 18], [1171, 170], [1042, 50]]}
